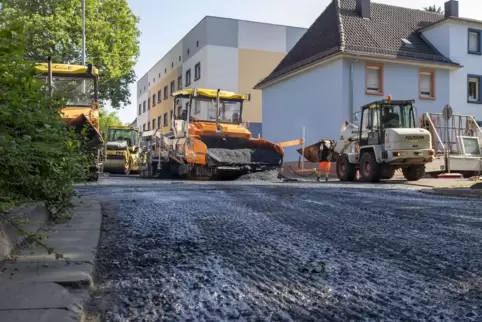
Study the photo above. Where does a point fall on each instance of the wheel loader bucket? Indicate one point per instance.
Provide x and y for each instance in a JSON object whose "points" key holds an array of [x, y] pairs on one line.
{"points": [[312, 152]]}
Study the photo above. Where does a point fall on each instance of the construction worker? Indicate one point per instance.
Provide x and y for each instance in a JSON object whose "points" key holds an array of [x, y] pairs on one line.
{"points": [[326, 149]]}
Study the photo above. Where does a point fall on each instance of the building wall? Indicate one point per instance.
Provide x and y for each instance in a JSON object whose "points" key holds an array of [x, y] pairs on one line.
{"points": [[312, 99], [234, 55], [451, 38], [400, 81]]}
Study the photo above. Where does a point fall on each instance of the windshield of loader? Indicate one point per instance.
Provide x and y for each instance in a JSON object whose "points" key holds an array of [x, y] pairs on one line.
{"points": [[123, 135], [204, 109], [398, 116]]}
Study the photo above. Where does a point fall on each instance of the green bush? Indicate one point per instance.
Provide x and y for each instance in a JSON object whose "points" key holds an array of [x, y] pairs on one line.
{"points": [[40, 157]]}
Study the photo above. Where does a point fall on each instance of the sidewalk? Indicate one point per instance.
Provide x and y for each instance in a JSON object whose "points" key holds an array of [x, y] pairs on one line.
{"points": [[37, 287]]}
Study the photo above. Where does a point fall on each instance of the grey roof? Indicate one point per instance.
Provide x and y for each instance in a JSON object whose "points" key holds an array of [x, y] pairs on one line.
{"points": [[341, 29]]}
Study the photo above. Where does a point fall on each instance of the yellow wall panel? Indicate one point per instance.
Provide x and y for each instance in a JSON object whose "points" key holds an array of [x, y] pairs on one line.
{"points": [[255, 65]]}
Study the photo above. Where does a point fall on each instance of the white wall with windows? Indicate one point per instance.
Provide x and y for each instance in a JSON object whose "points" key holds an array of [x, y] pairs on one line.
{"points": [[373, 81], [461, 41]]}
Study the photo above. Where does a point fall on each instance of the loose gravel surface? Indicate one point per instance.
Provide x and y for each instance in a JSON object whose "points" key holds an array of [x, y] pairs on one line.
{"points": [[286, 252]]}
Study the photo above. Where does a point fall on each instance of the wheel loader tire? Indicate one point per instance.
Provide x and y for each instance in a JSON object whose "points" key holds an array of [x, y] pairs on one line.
{"points": [[414, 172], [386, 172], [369, 168], [345, 171]]}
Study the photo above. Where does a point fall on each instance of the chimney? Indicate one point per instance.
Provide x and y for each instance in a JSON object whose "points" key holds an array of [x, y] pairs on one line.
{"points": [[451, 8], [363, 8]]}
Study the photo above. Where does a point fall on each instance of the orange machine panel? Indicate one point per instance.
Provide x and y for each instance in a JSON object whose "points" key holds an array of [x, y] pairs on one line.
{"points": [[196, 151]]}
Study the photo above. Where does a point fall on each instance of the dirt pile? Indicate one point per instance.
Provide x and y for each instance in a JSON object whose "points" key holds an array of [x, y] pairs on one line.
{"points": [[265, 176]]}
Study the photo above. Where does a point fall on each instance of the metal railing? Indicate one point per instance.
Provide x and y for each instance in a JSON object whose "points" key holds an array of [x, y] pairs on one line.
{"points": [[458, 125]]}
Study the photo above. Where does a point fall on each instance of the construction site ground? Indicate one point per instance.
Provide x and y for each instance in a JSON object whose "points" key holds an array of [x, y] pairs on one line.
{"points": [[284, 251]]}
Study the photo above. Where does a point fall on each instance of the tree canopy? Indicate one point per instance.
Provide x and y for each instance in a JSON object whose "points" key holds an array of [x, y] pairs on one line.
{"points": [[433, 8], [54, 28], [108, 119]]}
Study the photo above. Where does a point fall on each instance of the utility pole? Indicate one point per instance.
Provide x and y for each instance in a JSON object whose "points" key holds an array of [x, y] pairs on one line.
{"points": [[83, 42], [83, 33]]}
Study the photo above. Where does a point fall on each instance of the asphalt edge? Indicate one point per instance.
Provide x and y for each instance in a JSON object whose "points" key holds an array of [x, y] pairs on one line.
{"points": [[454, 192]]}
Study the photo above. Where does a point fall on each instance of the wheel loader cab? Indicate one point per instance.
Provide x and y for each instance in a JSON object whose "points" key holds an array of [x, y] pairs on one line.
{"points": [[378, 116]]}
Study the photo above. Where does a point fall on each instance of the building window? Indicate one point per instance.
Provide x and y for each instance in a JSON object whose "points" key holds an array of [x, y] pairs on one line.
{"points": [[165, 92], [197, 43], [179, 58], [374, 79], [140, 109], [144, 107], [173, 87], [197, 71], [148, 126], [159, 122], [144, 127], [153, 124], [474, 89], [426, 83], [165, 119], [179, 83], [188, 77], [474, 41], [159, 95], [171, 114], [165, 70], [149, 103], [188, 51], [153, 100]]}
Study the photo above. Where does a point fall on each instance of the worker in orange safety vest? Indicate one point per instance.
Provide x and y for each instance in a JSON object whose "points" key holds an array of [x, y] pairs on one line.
{"points": [[326, 150]]}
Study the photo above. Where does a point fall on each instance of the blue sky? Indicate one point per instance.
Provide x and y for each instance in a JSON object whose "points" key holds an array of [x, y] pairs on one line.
{"points": [[163, 23]]}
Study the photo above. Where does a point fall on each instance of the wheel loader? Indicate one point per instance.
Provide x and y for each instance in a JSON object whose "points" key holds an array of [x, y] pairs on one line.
{"points": [[209, 139], [387, 139], [121, 150], [78, 85]]}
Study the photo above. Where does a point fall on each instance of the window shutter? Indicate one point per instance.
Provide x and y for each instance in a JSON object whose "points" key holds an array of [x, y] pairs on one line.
{"points": [[426, 84], [373, 79], [474, 41]]}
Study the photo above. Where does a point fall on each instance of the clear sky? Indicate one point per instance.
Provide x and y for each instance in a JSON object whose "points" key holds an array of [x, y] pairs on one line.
{"points": [[163, 23]]}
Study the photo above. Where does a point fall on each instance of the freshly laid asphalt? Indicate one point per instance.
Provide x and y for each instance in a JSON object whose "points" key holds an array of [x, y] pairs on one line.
{"points": [[191, 251]]}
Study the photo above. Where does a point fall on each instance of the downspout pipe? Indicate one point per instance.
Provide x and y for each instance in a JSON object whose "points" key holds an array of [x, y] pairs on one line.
{"points": [[352, 91]]}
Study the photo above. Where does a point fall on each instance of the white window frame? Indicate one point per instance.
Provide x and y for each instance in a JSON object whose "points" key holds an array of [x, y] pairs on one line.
{"points": [[476, 80], [474, 35], [371, 90], [431, 92]]}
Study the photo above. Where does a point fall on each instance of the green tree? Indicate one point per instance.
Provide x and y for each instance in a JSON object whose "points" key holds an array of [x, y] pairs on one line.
{"points": [[433, 8], [108, 119], [54, 27]]}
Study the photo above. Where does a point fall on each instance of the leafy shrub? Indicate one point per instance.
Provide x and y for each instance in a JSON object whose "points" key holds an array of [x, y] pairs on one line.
{"points": [[40, 156]]}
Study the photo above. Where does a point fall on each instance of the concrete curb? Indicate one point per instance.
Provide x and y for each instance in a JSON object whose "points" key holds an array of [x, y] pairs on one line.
{"points": [[454, 192], [46, 289], [37, 216]]}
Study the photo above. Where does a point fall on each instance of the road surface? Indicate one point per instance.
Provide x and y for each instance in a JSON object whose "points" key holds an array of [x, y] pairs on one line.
{"points": [[286, 252]]}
